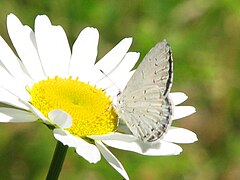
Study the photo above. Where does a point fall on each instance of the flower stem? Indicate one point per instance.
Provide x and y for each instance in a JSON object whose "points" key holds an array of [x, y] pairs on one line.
{"points": [[57, 161]]}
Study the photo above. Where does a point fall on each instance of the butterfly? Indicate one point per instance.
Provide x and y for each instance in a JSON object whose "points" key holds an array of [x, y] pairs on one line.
{"points": [[144, 104]]}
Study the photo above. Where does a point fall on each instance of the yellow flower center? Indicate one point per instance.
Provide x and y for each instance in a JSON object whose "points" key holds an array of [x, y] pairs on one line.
{"points": [[89, 107]]}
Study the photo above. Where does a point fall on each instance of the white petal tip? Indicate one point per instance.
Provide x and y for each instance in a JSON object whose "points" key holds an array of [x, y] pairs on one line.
{"points": [[180, 135], [42, 18], [173, 151], [178, 97], [90, 152], [129, 40], [178, 151], [90, 31], [194, 138], [91, 28], [183, 111], [10, 15], [11, 18]]}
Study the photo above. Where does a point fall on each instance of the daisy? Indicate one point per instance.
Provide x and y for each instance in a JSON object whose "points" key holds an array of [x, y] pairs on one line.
{"points": [[72, 94]]}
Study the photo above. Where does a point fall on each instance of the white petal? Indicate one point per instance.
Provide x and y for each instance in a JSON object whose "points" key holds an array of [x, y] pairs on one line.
{"points": [[84, 54], [24, 42], [115, 89], [112, 59], [16, 115], [13, 85], [180, 135], [121, 75], [64, 137], [7, 97], [60, 118], [95, 75], [88, 151], [114, 136], [131, 143], [36, 112], [178, 97], [182, 111], [53, 47], [111, 159], [11, 62]]}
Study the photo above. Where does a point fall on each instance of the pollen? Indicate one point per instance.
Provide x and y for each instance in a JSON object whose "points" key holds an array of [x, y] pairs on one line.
{"points": [[89, 107]]}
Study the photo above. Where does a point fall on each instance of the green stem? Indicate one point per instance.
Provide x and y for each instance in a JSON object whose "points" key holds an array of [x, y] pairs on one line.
{"points": [[57, 161]]}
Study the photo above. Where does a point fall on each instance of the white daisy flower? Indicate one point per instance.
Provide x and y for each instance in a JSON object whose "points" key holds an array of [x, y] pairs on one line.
{"points": [[69, 92]]}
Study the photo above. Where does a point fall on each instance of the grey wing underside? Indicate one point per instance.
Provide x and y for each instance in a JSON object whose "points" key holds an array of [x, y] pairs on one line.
{"points": [[145, 105], [155, 68], [148, 116]]}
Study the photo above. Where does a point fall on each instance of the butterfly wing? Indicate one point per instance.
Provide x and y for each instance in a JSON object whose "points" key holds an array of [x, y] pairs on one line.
{"points": [[156, 68], [144, 104]]}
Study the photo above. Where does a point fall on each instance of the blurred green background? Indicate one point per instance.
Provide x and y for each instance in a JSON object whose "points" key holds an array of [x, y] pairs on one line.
{"points": [[205, 38]]}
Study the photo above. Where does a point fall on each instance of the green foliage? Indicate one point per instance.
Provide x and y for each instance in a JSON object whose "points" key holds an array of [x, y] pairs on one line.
{"points": [[205, 38]]}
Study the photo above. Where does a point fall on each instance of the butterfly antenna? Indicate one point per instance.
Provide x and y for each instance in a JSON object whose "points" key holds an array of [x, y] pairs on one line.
{"points": [[113, 83]]}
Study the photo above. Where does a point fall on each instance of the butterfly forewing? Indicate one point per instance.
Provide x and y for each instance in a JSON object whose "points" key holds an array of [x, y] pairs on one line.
{"points": [[155, 68], [144, 104]]}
